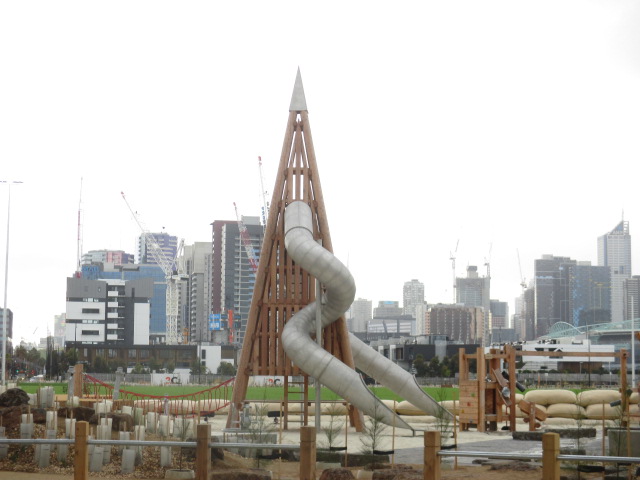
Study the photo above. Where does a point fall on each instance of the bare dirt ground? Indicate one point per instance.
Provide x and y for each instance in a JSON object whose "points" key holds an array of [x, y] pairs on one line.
{"points": [[290, 471]]}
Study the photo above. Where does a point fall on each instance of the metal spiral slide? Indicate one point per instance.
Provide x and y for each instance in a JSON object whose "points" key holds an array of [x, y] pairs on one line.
{"points": [[320, 364]]}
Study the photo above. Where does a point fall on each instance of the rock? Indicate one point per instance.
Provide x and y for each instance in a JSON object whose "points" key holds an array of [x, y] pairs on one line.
{"points": [[245, 474], [337, 474], [121, 422], [13, 398], [397, 472], [515, 465], [12, 416], [216, 452], [81, 414]]}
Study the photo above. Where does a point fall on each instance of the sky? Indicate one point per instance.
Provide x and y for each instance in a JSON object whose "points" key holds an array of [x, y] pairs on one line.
{"points": [[506, 128]]}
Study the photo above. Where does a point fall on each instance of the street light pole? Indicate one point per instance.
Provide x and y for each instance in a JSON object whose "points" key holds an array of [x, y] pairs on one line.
{"points": [[5, 317]]}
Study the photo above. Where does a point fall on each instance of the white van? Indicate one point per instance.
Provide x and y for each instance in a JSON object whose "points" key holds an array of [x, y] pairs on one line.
{"points": [[37, 378]]}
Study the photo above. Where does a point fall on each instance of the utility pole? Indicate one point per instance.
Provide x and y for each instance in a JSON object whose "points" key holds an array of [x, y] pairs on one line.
{"points": [[5, 317]]}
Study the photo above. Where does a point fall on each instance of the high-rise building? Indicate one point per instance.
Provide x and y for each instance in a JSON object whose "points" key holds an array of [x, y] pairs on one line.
{"points": [[474, 291], [387, 308], [233, 277], [108, 312], [361, 314], [167, 243], [551, 303], [117, 257], [457, 322], [158, 305], [412, 297], [421, 319], [197, 298], [499, 314], [614, 251], [529, 312], [587, 295], [632, 297], [388, 317]]}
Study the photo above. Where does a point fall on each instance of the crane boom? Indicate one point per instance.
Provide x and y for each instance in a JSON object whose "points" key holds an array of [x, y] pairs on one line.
{"points": [[246, 241], [171, 277]]}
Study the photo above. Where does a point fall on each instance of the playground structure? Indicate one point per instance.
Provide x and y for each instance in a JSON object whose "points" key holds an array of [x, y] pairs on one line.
{"points": [[85, 390], [490, 397], [297, 253]]}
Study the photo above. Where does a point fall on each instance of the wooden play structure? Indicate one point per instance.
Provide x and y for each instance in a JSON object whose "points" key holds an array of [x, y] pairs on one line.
{"points": [[484, 396], [281, 287]]}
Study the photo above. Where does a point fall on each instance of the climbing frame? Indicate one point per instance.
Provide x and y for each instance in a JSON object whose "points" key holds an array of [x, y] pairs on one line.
{"points": [[282, 288]]}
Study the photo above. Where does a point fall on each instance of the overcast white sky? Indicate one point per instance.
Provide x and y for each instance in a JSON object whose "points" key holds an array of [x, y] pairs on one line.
{"points": [[505, 123]]}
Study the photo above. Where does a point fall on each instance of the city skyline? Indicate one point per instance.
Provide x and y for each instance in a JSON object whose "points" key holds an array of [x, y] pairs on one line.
{"points": [[439, 129]]}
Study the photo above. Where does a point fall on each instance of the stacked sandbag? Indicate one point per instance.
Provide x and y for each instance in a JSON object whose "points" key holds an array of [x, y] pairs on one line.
{"points": [[406, 408], [566, 410], [391, 404], [212, 405], [182, 407], [597, 404], [562, 403], [334, 409], [550, 397], [452, 406], [419, 419], [150, 404]]}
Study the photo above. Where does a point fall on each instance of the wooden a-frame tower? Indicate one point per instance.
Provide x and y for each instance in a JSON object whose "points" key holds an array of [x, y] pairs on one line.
{"points": [[281, 287]]}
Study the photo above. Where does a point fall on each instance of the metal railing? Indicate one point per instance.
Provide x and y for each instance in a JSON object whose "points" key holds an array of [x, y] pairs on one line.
{"points": [[550, 456], [202, 445]]}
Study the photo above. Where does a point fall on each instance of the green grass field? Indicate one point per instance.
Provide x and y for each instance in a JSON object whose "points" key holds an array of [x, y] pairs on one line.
{"points": [[253, 393]]}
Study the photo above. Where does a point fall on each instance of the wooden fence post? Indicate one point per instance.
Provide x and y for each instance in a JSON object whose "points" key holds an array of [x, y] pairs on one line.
{"points": [[431, 469], [203, 452], [307, 453], [550, 451], [81, 457], [78, 391]]}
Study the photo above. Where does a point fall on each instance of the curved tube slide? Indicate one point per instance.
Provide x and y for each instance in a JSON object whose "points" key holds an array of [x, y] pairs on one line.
{"points": [[340, 292]]}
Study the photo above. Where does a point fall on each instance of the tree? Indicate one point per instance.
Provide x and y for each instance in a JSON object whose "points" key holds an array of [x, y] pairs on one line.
{"points": [[420, 366], [154, 365], [139, 369], [434, 368], [198, 369], [71, 356], [226, 368], [99, 365]]}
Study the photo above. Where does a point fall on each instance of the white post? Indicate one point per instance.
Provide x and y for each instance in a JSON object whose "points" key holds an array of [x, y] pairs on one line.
{"points": [[6, 279], [633, 346]]}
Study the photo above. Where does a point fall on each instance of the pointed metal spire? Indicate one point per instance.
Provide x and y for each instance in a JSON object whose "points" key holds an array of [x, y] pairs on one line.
{"points": [[298, 100]]}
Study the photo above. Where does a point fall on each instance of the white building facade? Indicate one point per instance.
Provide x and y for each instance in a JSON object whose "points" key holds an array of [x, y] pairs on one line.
{"points": [[614, 251]]}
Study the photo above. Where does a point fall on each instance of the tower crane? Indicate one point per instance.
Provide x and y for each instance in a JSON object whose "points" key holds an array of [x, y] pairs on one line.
{"points": [[265, 204], [172, 272], [487, 261], [523, 284], [452, 257], [246, 241]]}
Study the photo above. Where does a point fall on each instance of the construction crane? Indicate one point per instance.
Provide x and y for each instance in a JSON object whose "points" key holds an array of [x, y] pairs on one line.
{"points": [[172, 274], [246, 241], [452, 257], [523, 285], [265, 204], [487, 261], [79, 244]]}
